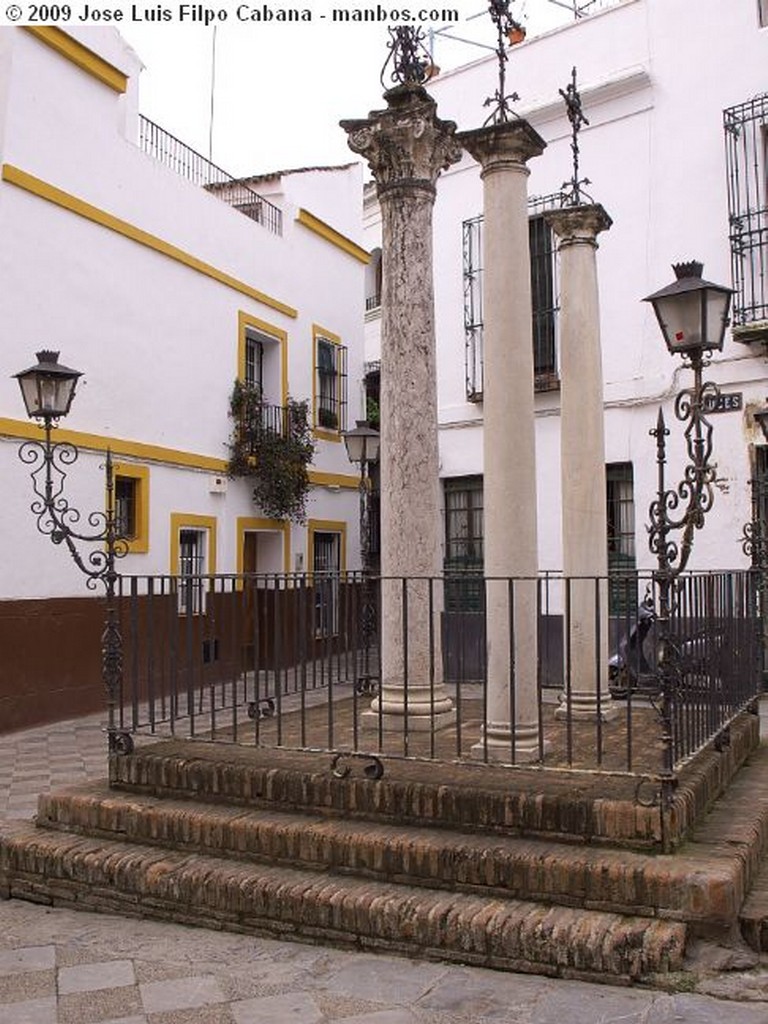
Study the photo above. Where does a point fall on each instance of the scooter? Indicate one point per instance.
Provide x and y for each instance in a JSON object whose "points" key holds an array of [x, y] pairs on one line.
{"points": [[629, 670]]}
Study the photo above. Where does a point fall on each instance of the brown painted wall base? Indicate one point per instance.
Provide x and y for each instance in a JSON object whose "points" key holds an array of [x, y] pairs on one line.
{"points": [[50, 660]]}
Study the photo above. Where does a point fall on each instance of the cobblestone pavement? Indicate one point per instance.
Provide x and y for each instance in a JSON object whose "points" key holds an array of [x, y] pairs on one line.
{"points": [[62, 967]]}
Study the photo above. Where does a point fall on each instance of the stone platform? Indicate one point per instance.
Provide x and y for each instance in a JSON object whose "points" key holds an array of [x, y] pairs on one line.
{"points": [[556, 873]]}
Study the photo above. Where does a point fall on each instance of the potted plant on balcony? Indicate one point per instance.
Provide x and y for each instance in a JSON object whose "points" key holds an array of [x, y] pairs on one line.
{"points": [[272, 446]]}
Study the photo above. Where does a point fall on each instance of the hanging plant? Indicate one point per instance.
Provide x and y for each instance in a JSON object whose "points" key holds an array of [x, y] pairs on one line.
{"points": [[272, 446]]}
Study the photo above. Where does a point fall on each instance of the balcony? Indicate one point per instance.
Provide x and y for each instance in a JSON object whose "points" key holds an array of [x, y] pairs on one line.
{"points": [[745, 132], [187, 162]]}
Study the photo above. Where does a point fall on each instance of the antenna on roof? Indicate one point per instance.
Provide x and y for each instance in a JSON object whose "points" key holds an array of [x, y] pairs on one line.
{"points": [[213, 90], [578, 8]]}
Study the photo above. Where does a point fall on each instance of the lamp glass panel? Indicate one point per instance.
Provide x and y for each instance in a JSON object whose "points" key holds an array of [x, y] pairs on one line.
{"points": [[717, 303], [680, 317], [372, 448], [47, 395], [355, 446]]}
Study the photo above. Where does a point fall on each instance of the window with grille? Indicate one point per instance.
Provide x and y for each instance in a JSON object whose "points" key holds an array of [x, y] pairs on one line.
{"points": [[326, 566], [746, 148], [127, 506], [130, 504], [463, 542], [543, 296], [622, 563], [330, 385], [192, 568], [254, 358]]}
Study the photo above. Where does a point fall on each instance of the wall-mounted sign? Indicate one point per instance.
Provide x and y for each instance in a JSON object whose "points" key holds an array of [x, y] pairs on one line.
{"points": [[726, 401]]}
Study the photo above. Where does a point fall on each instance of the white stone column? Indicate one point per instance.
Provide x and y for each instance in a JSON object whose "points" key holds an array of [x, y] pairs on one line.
{"points": [[511, 730], [584, 521], [406, 146]]}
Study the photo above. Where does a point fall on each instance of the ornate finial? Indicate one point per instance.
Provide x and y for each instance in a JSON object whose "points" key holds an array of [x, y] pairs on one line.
{"points": [[693, 268], [572, 190], [408, 61], [508, 31]]}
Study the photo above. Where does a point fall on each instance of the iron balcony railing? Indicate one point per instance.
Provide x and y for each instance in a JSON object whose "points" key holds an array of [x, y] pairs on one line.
{"points": [[261, 419], [193, 166], [745, 127], [293, 661]]}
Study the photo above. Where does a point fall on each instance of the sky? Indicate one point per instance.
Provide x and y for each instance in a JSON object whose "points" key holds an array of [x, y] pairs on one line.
{"points": [[275, 92]]}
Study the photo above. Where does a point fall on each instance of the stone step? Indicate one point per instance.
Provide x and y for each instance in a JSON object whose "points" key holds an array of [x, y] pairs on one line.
{"points": [[63, 869], [612, 809], [703, 887]]}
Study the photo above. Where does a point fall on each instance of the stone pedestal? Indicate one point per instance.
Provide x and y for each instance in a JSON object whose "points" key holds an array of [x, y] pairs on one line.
{"points": [[406, 147], [585, 547], [511, 729]]}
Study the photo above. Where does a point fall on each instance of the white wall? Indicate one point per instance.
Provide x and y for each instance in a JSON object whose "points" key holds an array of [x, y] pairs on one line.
{"points": [[157, 340]]}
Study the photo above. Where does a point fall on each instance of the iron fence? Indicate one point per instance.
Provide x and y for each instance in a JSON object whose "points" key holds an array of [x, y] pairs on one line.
{"points": [[296, 661], [193, 166]]}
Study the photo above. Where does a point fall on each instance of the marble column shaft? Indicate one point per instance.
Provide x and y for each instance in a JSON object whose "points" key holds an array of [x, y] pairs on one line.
{"points": [[509, 479], [406, 146], [584, 518]]}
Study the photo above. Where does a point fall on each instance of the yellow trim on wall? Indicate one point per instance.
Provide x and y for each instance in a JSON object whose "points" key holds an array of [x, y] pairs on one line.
{"points": [[26, 430], [251, 524], [326, 526], [345, 480], [138, 545], [70, 49], [244, 321], [319, 227], [41, 189], [325, 433], [191, 521]]}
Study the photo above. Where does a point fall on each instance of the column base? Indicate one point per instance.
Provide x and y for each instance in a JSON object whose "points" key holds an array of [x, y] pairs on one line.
{"points": [[373, 720], [495, 744], [582, 706]]}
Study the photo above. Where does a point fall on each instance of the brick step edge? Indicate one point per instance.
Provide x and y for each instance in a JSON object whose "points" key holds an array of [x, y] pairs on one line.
{"points": [[67, 870], [753, 916], [607, 812], [698, 887]]}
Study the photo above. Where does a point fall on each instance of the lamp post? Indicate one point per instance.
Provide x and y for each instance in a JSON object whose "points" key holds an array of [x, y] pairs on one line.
{"points": [[48, 388], [362, 446], [693, 316]]}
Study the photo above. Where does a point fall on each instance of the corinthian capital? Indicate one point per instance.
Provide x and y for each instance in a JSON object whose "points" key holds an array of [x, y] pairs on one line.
{"points": [[406, 144]]}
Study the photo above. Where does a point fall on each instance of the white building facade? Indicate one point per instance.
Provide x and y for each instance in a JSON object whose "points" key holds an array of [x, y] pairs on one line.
{"points": [[163, 283], [678, 187]]}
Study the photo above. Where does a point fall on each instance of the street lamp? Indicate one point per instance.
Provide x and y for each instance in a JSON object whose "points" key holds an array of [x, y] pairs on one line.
{"points": [[48, 389], [362, 446], [693, 316]]}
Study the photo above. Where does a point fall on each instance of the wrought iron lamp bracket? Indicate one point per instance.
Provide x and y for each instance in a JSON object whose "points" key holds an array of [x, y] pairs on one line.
{"points": [[694, 495], [57, 519]]}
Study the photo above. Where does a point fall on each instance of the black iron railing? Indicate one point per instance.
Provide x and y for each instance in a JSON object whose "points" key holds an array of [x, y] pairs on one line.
{"points": [[745, 133], [293, 661], [193, 166], [264, 419]]}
